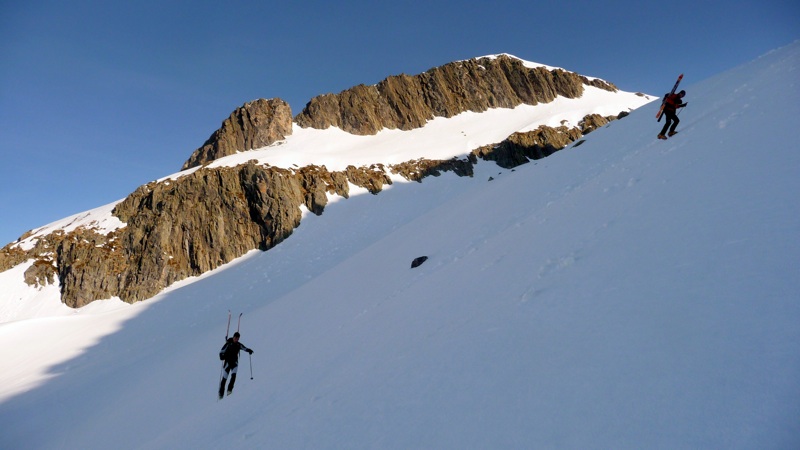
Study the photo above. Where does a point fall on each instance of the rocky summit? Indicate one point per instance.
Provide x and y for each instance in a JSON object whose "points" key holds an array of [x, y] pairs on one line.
{"points": [[255, 124], [401, 102], [406, 102]]}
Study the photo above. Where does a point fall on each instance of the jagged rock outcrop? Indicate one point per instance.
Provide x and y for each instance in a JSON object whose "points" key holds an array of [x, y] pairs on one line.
{"points": [[185, 227], [41, 273], [520, 147], [11, 255], [373, 178], [595, 121], [400, 102], [90, 266], [254, 125], [405, 102], [418, 169]]}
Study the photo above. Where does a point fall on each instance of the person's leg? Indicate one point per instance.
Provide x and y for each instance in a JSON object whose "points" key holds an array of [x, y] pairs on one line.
{"points": [[667, 123], [233, 379], [223, 380], [675, 122]]}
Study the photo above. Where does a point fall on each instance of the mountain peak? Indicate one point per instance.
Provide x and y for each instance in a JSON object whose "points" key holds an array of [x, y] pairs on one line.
{"points": [[526, 63], [406, 102], [245, 187]]}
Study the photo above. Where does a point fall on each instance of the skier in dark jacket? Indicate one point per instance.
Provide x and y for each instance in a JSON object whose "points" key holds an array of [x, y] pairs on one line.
{"points": [[230, 354], [671, 105]]}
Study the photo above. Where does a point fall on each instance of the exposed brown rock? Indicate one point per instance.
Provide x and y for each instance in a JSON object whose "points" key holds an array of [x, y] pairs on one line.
{"points": [[11, 256], [418, 169], [89, 266], [184, 227], [521, 147], [400, 102], [373, 178], [254, 125], [593, 122], [406, 102], [41, 273]]}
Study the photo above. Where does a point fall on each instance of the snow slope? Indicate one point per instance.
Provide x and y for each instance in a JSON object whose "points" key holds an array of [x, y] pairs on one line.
{"points": [[626, 293]]}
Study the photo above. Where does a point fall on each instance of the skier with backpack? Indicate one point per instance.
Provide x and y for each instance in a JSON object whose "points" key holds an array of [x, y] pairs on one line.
{"points": [[230, 354], [671, 104]]}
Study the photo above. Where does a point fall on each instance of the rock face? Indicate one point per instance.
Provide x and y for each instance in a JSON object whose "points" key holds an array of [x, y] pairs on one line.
{"points": [[406, 102], [184, 227], [518, 148], [254, 125]]}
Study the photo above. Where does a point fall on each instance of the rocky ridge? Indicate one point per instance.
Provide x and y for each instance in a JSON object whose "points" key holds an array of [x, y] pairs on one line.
{"points": [[406, 102], [204, 218], [402, 102]]}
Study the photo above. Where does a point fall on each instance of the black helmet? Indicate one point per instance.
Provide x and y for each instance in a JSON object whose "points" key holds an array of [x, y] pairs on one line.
{"points": [[682, 93], [236, 335]]}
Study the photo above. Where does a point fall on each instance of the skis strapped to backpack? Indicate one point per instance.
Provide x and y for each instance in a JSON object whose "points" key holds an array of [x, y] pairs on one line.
{"points": [[227, 331], [664, 100]]}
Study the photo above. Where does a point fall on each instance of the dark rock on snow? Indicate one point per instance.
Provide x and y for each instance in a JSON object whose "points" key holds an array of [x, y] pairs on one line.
{"points": [[418, 261]]}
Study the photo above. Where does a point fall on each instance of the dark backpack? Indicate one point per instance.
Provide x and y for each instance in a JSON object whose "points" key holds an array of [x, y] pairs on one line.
{"points": [[222, 352]]}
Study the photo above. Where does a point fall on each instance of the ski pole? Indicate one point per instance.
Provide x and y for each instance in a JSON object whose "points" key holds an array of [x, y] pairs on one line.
{"points": [[251, 366]]}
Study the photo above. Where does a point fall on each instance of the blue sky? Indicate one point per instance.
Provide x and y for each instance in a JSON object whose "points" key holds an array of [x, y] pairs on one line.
{"points": [[99, 97]]}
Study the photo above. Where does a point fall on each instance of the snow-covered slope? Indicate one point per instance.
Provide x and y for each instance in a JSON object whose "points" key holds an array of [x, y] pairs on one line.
{"points": [[626, 293]]}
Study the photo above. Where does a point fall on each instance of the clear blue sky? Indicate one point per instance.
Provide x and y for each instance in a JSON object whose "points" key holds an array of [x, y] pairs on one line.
{"points": [[99, 97]]}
